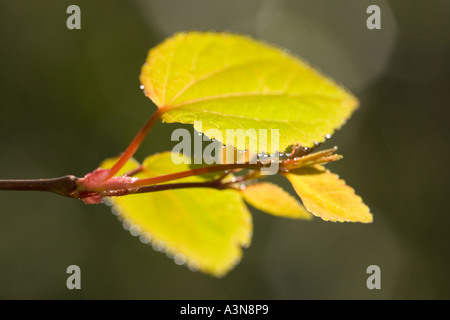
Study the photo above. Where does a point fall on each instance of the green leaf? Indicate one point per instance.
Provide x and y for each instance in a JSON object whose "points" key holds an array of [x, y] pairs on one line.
{"points": [[274, 200], [327, 196], [205, 227], [231, 81]]}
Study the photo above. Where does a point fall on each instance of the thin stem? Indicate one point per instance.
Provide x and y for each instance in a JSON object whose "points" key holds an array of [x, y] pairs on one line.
{"points": [[65, 186], [135, 143], [216, 184], [195, 172]]}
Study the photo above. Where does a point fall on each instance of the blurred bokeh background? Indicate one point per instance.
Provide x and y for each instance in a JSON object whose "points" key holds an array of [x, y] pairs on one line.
{"points": [[70, 98]]}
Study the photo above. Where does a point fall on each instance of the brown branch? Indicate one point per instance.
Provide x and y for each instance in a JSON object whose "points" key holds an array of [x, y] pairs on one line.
{"points": [[71, 186], [65, 186]]}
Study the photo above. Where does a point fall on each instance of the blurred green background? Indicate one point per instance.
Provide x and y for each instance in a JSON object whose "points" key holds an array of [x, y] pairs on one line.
{"points": [[70, 98]]}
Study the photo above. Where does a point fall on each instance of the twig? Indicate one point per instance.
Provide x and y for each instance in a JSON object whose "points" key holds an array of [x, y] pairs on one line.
{"points": [[216, 184], [65, 186]]}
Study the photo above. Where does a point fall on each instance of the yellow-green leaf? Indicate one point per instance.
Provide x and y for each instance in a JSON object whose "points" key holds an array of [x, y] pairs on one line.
{"points": [[327, 196], [273, 199], [205, 227], [231, 81]]}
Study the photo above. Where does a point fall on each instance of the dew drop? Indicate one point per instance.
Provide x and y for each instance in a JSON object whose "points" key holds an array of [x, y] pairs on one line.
{"points": [[155, 245], [328, 136], [127, 223], [141, 87], [108, 201], [145, 237], [135, 230], [193, 266], [158, 245], [180, 259], [242, 186], [171, 252], [116, 211]]}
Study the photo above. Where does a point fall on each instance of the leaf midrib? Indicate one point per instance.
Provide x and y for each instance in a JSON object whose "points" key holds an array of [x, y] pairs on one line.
{"points": [[284, 121], [215, 72], [252, 94]]}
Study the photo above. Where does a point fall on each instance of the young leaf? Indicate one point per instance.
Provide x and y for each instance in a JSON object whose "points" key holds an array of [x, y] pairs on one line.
{"points": [[231, 81], [274, 200], [327, 196], [205, 227]]}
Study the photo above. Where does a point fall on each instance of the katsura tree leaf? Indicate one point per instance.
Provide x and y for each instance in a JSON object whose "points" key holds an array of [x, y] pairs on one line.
{"points": [[327, 196], [231, 81], [205, 228], [274, 200]]}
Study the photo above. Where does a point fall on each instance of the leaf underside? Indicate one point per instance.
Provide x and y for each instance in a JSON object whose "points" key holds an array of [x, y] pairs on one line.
{"points": [[231, 81], [274, 200], [206, 227]]}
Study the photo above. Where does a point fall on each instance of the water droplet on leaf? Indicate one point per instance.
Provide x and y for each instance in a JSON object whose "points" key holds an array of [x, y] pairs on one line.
{"points": [[145, 237], [135, 230], [180, 259], [127, 223]]}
